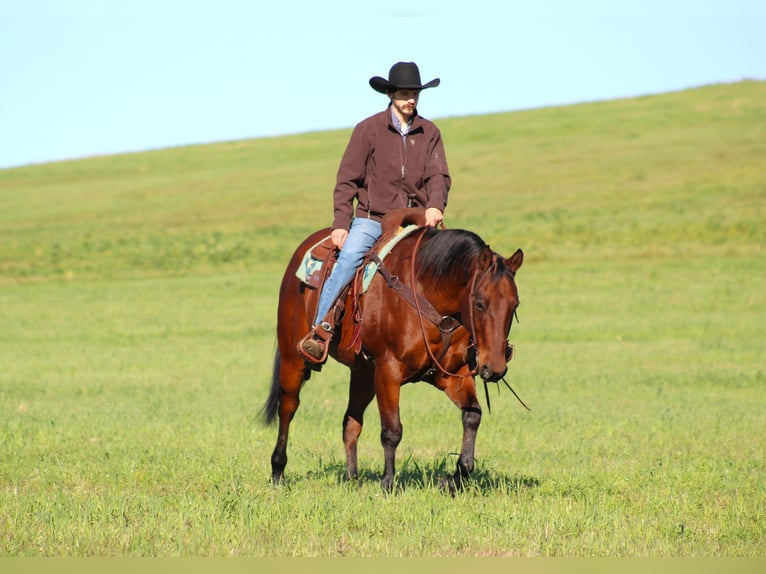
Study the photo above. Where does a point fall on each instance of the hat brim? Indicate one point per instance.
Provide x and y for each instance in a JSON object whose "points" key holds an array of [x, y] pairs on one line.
{"points": [[384, 86]]}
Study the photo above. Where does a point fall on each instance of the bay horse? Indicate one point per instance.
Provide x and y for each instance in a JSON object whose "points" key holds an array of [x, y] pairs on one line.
{"points": [[453, 325]]}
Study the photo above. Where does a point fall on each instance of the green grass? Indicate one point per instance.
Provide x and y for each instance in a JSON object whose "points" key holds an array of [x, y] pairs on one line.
{"points": [[137, 316]]}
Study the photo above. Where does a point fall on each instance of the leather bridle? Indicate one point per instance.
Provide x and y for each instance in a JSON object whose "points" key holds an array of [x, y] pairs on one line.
{"points": [[472, 331], [476, 278], [447, 324], [475, 282]]}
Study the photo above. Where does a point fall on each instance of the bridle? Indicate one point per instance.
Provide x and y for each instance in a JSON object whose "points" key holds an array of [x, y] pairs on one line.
{"points": [[472, 331], [446, 323], [476, 280]]}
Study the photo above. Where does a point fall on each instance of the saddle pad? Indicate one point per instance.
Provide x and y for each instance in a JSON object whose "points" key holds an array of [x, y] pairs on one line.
{"points": [[310, 264], [372, 267]]}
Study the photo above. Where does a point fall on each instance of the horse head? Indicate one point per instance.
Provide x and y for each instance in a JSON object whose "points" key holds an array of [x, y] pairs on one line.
{"points": [[491, 304]]}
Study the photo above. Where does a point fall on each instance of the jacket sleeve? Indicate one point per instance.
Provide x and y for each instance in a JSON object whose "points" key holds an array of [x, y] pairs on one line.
{"points": [[437, 178], [350, 179]]}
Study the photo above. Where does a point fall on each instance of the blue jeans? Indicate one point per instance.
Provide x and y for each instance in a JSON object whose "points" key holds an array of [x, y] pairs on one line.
{"points": [[361, 237]]}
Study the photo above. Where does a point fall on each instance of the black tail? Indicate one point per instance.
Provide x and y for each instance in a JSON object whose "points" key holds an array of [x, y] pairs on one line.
{"points": [[271, 406]]}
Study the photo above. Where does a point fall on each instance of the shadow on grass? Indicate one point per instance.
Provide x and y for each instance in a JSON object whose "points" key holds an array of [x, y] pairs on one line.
{"points": [[412, 475]]}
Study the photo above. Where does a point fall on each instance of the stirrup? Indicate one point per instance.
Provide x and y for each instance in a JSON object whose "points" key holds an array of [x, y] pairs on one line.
{"points": [[315, 345]]}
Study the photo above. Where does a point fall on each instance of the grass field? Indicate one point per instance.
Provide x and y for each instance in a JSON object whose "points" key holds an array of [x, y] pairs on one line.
{"points": [[137, 331]]}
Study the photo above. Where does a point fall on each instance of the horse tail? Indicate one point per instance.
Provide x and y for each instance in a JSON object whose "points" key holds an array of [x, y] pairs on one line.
{"points": [[271, 406]]}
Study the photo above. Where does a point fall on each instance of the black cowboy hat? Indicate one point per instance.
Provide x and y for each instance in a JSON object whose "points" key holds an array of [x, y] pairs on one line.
{"points": [[403, 75]]}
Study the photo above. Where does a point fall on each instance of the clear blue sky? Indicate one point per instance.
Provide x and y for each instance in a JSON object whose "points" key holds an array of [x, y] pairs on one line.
{"points": [[91, 77]]}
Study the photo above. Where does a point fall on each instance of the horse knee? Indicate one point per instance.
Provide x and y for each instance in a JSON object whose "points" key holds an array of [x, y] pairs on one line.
{"points": [[391, 436], [471, 418]]}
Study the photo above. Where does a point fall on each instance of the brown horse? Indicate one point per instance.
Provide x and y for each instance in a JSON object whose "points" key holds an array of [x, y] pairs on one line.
{"points": [[453, 325]]}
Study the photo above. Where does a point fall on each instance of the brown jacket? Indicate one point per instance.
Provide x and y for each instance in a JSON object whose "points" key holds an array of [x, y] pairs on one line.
{"points": [[384, 171]]}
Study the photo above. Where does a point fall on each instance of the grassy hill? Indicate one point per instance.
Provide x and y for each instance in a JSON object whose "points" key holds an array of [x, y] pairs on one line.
{"points": [[678, 173], [137, 317]]}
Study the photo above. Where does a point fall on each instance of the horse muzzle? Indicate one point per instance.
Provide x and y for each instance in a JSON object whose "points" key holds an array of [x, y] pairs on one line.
{"points": [[492, 375]]}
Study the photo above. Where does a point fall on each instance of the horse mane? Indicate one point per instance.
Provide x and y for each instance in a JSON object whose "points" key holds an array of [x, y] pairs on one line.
{"points": [[449, 253]]}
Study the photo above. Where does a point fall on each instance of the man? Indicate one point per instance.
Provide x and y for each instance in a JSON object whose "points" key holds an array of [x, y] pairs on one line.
{"points": [[394, 159]]}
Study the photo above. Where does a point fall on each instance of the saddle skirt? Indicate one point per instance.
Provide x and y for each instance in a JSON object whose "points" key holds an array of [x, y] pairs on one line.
{"points": [[314, 260]]}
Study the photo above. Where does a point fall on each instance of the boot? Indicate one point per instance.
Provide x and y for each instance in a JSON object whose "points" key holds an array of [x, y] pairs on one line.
{"points": [[314, 346]]}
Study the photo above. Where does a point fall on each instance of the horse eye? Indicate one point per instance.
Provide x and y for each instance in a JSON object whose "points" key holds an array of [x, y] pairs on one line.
{"points": [[480, 306]]}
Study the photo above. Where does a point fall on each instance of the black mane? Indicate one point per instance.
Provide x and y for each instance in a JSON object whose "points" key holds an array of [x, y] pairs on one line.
{"points": [[449, 253]]}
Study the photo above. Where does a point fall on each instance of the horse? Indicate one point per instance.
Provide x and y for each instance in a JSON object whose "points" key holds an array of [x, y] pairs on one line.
{"points": [[439, 309]]}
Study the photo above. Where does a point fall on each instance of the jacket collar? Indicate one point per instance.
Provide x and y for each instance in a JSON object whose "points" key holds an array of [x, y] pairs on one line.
{"points": [[415, 124]]}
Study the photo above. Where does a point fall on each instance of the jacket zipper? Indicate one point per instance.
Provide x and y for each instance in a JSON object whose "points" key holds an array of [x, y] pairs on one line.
{"points": [[403, 161]]}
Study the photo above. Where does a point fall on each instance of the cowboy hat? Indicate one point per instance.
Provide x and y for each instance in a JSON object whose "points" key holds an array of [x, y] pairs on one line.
{"points": [[403, 75]]}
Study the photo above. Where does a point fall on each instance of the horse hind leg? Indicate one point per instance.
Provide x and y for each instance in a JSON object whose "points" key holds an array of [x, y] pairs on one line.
{"points": [[284, 398], [361, 393]]}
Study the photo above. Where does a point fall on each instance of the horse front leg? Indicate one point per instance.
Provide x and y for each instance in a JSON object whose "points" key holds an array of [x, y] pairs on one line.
{"points": [[462, 391], [360, 395], [387, 392], [465, 464]]}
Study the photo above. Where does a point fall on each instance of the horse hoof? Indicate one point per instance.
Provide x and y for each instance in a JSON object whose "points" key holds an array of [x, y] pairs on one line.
{"points": [[451, 485]]}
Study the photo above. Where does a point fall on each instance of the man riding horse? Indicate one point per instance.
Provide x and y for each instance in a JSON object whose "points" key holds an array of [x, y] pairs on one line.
{"points": [[394, 159]]}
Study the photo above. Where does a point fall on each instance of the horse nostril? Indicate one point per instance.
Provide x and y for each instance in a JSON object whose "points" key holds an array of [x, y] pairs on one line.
{"points": [[487, 374], [491, 376]]}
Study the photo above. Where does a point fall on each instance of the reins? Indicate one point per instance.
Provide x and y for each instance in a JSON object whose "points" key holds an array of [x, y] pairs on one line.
{"points": [[510, 388]]}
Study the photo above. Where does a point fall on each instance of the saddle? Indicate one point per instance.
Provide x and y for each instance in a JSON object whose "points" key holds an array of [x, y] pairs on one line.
{"points": [[320, 258]]}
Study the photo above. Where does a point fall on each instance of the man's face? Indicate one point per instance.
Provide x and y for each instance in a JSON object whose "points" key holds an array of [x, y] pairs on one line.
{"points": [[405, 102]]}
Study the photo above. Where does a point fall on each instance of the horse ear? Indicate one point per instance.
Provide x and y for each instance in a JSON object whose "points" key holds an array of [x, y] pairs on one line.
{"points": [[486, 258], [514, 261]]}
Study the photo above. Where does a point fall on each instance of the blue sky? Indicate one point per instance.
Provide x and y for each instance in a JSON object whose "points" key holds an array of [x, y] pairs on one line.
{"points": [[92, 77]]}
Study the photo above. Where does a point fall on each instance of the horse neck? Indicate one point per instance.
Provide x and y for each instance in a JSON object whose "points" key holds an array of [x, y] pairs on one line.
{"points": [[448, 295]]}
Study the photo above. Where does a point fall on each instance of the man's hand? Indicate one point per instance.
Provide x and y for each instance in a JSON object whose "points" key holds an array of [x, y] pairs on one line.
{"points": [[338, 237], [434, 217]]}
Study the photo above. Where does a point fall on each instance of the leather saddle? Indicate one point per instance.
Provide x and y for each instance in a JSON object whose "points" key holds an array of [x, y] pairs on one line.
{"points": [[323, 255]]}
